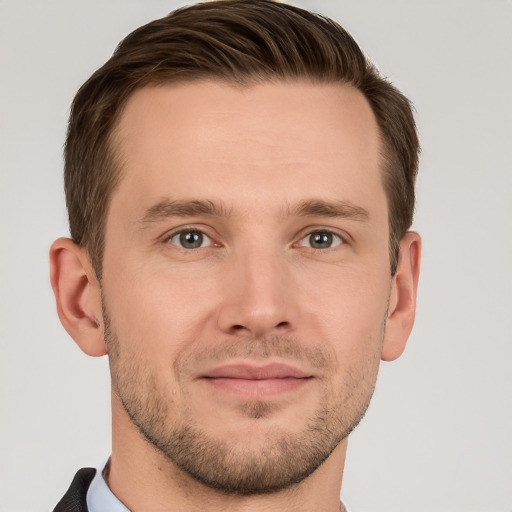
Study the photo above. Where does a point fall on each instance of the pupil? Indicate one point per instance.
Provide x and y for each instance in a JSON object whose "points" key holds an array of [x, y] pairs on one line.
{"points": [[191, 239], [321, 240]]}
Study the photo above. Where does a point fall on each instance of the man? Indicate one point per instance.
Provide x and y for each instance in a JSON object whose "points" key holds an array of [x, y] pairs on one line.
{"points": [[240, 185]]}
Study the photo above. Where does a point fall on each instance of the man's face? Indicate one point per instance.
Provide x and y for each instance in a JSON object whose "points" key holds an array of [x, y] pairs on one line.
{"points": [[246, 276]]}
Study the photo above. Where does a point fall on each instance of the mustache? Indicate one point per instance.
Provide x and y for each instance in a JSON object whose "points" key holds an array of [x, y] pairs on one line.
{"points": [[284, 347]]}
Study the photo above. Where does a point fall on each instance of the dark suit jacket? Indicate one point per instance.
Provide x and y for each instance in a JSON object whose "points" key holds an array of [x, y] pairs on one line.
{"points": [[75, 498]]}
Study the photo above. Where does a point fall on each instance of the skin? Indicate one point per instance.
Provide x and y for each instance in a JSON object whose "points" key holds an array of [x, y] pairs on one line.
{"points": [[256, 292]]}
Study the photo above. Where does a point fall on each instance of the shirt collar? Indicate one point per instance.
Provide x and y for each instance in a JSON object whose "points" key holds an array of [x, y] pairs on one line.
{"points": [[99, 496]]}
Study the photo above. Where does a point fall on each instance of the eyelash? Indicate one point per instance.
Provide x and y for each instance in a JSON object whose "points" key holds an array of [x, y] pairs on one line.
{"points": [[333, 237]]}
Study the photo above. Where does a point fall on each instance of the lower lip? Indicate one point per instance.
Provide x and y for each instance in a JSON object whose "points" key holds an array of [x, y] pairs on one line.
{"points": [[257, 388]]}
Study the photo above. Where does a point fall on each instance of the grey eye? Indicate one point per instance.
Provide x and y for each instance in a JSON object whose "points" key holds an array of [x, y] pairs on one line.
{"points": [[321, 240], [190, 239]]}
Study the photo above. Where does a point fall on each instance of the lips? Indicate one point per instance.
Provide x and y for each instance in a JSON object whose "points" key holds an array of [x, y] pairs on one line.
{"points": [[256, 382], [250, 372]]}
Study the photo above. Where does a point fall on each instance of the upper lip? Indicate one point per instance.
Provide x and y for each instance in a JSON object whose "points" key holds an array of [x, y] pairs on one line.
{"points": [[256, 372]]}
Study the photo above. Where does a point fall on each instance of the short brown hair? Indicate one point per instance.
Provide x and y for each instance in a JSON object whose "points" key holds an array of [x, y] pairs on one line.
{"points": [[236, 41]]}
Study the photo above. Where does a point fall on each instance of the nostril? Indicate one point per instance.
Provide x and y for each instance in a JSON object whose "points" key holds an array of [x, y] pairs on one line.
{"points": [[282, 324]]}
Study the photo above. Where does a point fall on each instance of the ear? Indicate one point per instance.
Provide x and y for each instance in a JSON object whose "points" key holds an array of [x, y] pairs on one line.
{"points": [[78, 295], [402, 301]]}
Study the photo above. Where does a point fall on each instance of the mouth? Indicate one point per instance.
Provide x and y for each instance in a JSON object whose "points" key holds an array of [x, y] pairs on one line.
{"points": [[256, 382]]}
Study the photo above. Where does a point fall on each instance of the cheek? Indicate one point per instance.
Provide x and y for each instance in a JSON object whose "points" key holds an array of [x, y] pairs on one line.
{"points": [[350, 313], [349, 307], [158, 309]]}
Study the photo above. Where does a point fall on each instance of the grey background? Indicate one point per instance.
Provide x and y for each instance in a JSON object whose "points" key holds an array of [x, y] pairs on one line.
{"points": [[437, 435]]}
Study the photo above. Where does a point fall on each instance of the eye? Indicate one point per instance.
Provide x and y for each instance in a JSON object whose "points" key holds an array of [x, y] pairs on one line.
{"points": [[190, 239], [321, 240]]}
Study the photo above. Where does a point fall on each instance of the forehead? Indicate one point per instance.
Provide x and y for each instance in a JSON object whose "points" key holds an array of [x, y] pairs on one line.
{"points": [[271, 142]]}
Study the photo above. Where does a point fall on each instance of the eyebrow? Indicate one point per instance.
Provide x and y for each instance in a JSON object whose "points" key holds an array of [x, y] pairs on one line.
{"points": [[169, 208], [321, 208], [310, 208]]}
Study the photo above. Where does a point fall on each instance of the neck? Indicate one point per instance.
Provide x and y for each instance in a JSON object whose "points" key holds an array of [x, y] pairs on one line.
{"points": [[144, 479]]}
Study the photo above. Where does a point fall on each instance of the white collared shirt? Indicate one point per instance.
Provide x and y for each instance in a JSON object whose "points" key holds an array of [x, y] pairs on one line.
{"points": [[99, 496]]}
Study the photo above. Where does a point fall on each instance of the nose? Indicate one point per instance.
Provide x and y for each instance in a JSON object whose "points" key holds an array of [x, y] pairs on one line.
{"points": [[259, 296]]}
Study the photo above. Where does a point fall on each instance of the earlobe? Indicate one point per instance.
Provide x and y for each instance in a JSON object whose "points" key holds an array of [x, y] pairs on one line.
{"points": [[77, 295], [402, 302]]}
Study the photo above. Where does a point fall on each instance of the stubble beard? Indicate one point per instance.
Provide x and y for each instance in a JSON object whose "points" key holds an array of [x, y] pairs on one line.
{"points": [[283, 460]]}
